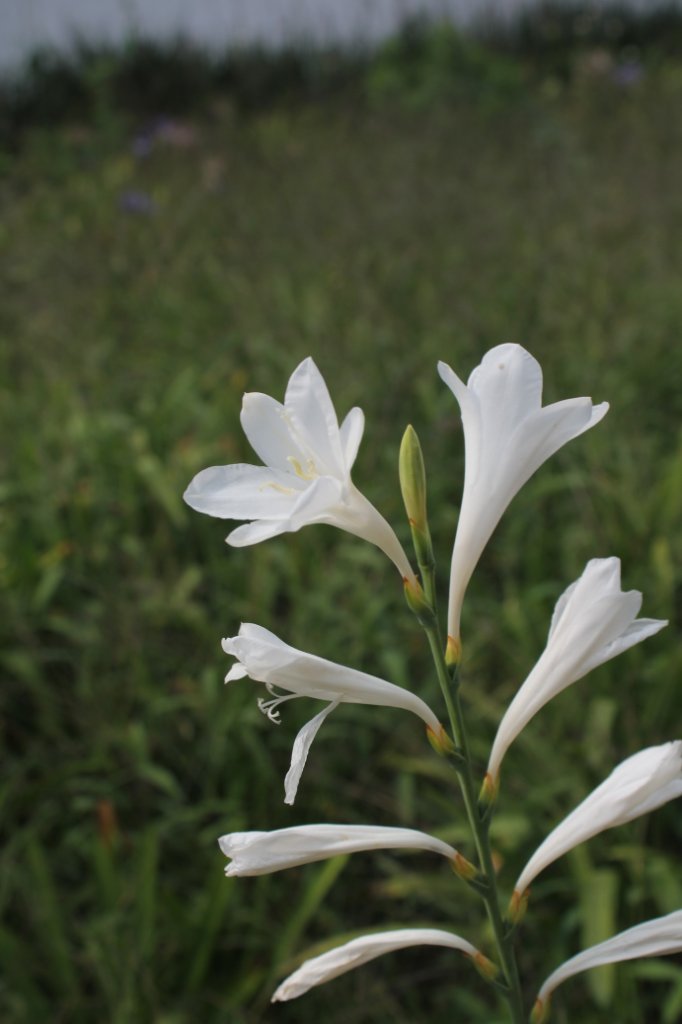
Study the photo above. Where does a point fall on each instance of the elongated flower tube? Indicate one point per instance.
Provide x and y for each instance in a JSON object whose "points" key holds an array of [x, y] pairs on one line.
{"points": [[507, 437], [639, 784], [593, 621], [260, 853], [660, 937], [265, 658], [305, 478], [360, 951]]}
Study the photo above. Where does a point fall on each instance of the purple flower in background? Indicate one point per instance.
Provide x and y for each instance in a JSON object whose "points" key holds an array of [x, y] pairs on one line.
{"points": [[136, 202], [628, 74]]}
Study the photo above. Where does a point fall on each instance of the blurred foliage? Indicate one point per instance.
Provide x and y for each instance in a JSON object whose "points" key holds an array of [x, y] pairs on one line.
{"points": [[153, 269]]}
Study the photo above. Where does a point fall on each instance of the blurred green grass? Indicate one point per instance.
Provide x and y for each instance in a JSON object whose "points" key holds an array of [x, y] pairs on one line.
{"points": [[378, 236]]}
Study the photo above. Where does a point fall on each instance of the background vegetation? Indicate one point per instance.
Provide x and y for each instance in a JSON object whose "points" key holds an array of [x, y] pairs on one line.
{"points": [[171, 238]]}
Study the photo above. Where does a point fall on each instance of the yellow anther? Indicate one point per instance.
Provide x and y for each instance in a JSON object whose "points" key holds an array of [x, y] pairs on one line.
{"points": [[309, 473]]}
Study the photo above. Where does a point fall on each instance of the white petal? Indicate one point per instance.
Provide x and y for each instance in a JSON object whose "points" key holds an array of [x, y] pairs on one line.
{"points": [[299, 754], [639, 784], [253, 533], [508, 384], [236, 672], [265, 423], [351, 432], [360, 951], [318, 503], [243, 492], [659, 937], [259, 853], [310, 411]]}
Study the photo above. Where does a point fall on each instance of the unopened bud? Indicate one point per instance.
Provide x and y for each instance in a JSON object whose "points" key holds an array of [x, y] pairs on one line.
{"points": [[417, 602], [463, 868], [440, 741], [540, 1012], [485, 967], [413, 486], [518, 905], [413, 478]]}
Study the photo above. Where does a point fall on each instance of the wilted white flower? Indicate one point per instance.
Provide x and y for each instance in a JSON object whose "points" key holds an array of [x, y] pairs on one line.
{"points": [[267, 659], [259, 853], [639, 784], [660, 937], [593, 621], [359, 951], [306, 476], [507, 436]]}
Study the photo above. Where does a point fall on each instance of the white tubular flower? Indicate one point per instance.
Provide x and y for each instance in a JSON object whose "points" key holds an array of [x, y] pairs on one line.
{"points": [[660, 937], [264, 657], [306, 476], [259, 853], [639, 784], [593, 621], [360, 951], [507, 436]]}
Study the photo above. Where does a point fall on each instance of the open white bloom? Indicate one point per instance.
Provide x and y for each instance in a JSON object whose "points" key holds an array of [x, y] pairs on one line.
{"points": [[660, 937], [259, 853], [507, 437], [306, 476], [593, 621], [360, 951], [264, 657], [639, 784]]}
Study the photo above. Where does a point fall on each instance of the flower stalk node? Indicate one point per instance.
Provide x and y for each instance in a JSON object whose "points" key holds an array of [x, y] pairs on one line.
{"points": [[418, 603], [463, 868], [518, 905], [488, 795], [441, 742], [453, 654], [485, 967], [540, 1012]]}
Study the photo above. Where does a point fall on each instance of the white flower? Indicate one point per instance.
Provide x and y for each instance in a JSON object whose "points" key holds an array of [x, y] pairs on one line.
{"points": [[639, 784], [659, 937], [507, 436], [360, 951], [267, 659], [593, 621], [306, 476], [259, 853]]}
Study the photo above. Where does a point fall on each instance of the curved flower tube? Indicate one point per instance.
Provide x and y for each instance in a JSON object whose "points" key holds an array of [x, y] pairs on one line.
{"points": [[660, 937], [593, 621], [260, 853], [360, 951], [265, 658], [507, 436], [305, 478], [639, 784]]}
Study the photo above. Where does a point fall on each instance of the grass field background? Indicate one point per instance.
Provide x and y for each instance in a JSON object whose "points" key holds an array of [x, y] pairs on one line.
{"points": [[152, 271]]}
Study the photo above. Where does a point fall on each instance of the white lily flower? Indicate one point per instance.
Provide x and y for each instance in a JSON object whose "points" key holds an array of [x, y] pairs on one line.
{"points": [[593, 621], [306, 476], [660, 937], [259, 853], [360, 951], [265, 658], [639, 784], [507, 437]]}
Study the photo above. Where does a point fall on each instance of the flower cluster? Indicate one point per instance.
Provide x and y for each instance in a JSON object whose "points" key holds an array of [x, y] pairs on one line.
{"points": [[306, 478]]}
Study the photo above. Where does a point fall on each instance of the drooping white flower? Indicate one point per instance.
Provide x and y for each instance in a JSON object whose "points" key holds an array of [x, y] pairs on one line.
{"points": [[660, 937], [507, 437], [259, 853], [267, 659], [593, 621], [360, 951], [305, 478], [639, 784]]}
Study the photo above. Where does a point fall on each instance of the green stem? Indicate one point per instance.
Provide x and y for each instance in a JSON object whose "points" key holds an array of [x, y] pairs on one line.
{"points": [[450, 689]]}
